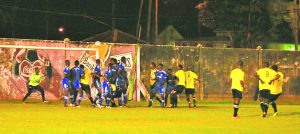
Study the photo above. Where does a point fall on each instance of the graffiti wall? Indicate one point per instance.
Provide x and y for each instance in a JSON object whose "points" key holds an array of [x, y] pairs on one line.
{"points": [[16, 65]]}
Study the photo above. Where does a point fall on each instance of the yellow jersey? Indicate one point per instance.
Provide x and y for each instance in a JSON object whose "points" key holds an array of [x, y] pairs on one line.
{"points": [[152, 76], [237, 75], [266, 74], [35, 79], [181, 77], [190, 77], [86, 77], [277, 84]]}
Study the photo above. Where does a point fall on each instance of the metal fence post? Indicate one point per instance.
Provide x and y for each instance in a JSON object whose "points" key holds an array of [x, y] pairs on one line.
{"points": [[201, 71]]}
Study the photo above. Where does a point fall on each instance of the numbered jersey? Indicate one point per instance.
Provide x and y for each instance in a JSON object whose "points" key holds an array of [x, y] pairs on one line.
{"points": [[266, 75]]}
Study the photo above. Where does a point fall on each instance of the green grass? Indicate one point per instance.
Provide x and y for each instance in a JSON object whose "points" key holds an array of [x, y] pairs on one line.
{"points": [[210, 117]]}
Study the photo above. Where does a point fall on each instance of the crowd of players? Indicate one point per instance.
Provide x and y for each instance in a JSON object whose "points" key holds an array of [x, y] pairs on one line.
{"points": [[270, 87], [112, 85]]}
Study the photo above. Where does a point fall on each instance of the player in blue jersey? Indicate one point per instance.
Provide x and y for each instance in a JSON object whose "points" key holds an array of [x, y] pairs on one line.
{"points": [[66, 82], [96, 80], [105, 93], [76, 73], [171, 83], [113, 78], [160, 79], [122, 83]]}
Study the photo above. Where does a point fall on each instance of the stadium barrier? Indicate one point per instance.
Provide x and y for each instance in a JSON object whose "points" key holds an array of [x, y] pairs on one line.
{"points": [[213, 66]]}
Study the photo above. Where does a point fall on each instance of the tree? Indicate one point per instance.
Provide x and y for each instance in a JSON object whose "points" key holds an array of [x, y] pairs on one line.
{"points": [[246, 22]]}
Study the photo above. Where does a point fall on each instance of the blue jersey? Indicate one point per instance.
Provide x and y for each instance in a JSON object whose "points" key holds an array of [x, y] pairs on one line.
{"points": [[97, 71], [105, 87], [66, 72], [113, 74], [122, 66], [171, 80], [160, 76], [77, 73]]}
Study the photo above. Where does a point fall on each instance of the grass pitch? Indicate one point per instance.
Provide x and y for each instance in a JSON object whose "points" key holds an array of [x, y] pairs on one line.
{"points": [[210, 117]]}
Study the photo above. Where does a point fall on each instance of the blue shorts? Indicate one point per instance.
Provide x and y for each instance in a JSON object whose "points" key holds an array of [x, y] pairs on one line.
{"points": [[159, 88], [97, 84], [65, 84], [76, 85]]}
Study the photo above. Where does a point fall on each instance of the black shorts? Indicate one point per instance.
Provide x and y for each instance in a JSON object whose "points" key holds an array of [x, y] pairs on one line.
{"points": [[118, 92], [179, 89], [274, 97], [86, 88], [236, 94], [265, 93], [189, 91]]}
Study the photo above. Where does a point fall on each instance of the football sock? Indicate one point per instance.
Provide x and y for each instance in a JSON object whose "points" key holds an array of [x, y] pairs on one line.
{"points": [[194, 101], [273, 103], [65, 100]]}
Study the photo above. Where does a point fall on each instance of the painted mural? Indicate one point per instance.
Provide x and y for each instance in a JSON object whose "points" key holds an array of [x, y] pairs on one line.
{"points": [[16, 65]]}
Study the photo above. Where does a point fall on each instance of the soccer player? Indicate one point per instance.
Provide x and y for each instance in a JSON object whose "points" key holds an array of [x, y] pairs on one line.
{"points": [[113, 77], [122, 82], [33, 84], [266, 76], [153, 70], [160, 77], [180, 85], [190, 78], [66, 82], [171, 83], [85, 83], [276, 89], [76, 74], [106, 90], [96, 81], [237, 84]]}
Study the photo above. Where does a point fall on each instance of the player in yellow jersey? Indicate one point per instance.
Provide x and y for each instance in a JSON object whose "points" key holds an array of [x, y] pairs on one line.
{"points": [[34, 84], [190, 78], [237, 87], [85, 83], [276, 89], [180, 86], [266, 76]]}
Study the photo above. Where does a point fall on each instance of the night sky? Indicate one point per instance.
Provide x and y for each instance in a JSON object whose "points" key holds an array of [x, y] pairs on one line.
{"points": [[40, 19]]}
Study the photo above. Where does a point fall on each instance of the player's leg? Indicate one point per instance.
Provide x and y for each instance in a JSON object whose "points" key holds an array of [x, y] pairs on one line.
{"points": [[166, 99], [41, 90], [98, 87], [119, 96], [88, 93], [273, 99], [80, 91], [194, 99], [266, 101], [187, 94], [162, 95], [152, 95], [108, 99], [125, 96], [113, 95], [30, 89], [261, 100]]}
